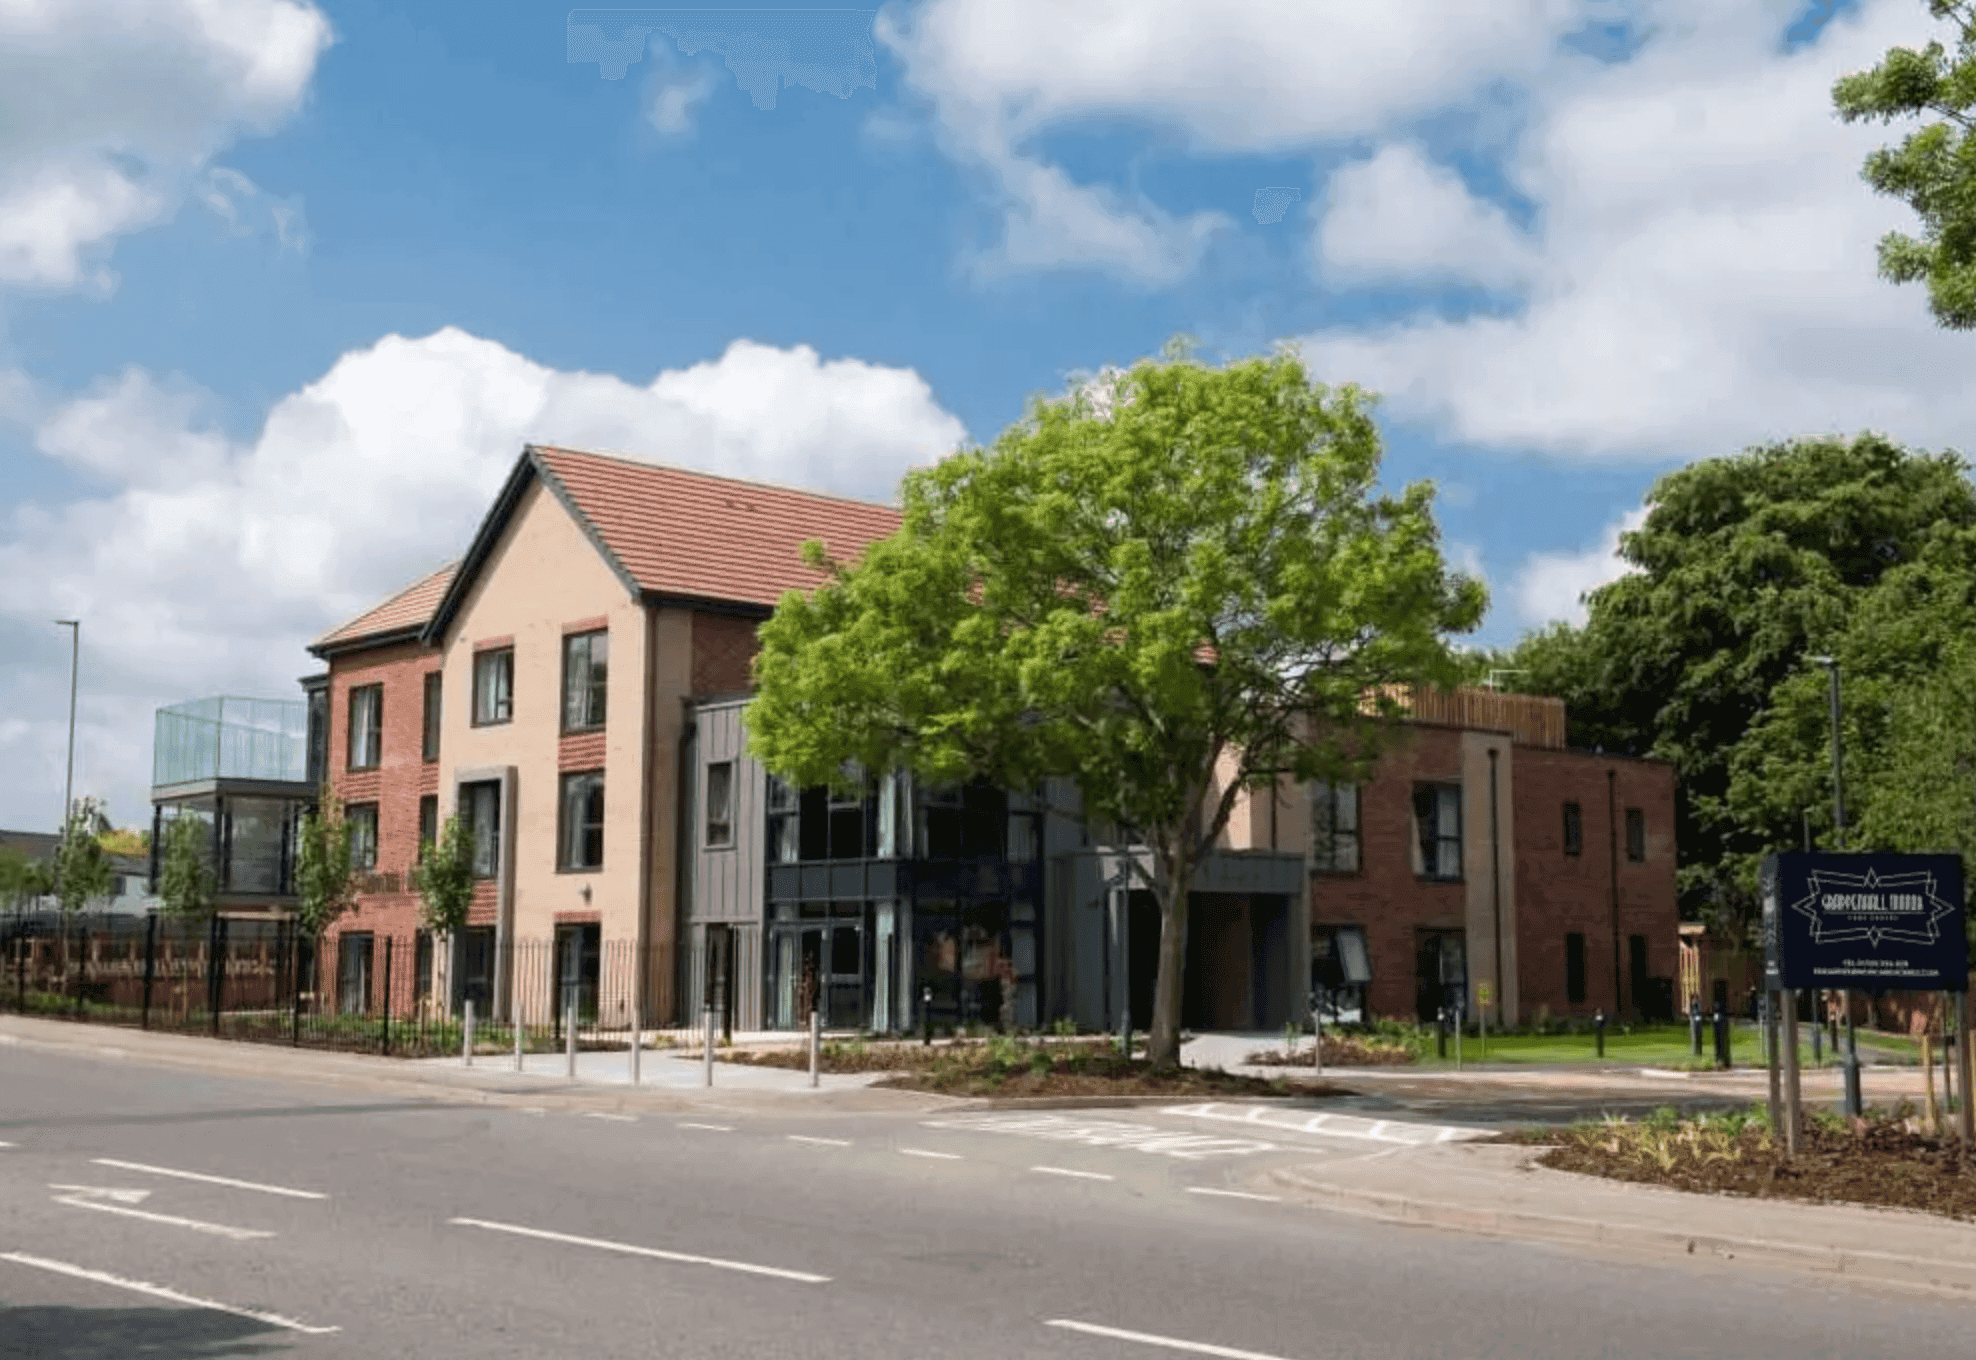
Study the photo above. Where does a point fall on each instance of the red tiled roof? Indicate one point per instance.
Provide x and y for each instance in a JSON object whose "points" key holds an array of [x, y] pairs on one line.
{"points": [[699, 536], [410, 608]]}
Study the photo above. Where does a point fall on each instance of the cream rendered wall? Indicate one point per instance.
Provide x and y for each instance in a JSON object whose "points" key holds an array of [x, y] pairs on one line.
{"points": [[1479, 856], [542, 574]]}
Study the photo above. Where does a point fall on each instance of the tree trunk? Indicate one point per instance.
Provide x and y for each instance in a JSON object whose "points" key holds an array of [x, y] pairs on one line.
{"points": [[1163, 1043]]}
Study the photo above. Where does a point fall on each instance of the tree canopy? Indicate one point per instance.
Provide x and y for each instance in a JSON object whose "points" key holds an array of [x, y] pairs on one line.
{"points": [[325, 867], [1744, 568], [1169, 570], [82, 871], [1933, 170], [443, 877], [187, 883]]}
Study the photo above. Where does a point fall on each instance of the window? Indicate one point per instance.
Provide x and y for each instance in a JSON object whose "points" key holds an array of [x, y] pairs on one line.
{"points": [[366, 727], [428, 822], [720, 804], [430, 747], [1636, 834], [582, 837], [586, 659], [362, 820], [1574, 829], [1335, 828], [422, 965], [493, 686], [847, 818], [1437, 821], [480, 805], [1574, 968], [784, 831]]}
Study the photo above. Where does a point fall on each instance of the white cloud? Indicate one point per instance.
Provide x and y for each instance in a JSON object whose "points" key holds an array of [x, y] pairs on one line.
{"points": [[1235, 77], [672, 102], [1552, 586], [112, 110], [1707, 272], [1397, 217], [210, 563], [249, 210]]}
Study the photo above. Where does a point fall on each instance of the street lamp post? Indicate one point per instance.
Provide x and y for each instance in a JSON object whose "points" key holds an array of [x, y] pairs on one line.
{"points": [[75, 658], [1855, 1105]]}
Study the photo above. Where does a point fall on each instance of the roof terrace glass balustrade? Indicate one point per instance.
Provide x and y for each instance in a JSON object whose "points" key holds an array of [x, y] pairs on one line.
{"points": [[230, 738]]}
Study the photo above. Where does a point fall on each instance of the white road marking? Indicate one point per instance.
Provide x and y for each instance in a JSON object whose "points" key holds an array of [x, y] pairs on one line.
{"points": [[621, 1118], [160, 1292], [1233, 1194], [197, 1225], [1332, 1125], [105, 1192], [717, 1128], [213, 1180], [922, 1152], [801, 1276], [1170, 1342], [827, 1142], [1066, 1171], [534, 1109], [1108, 1133]]}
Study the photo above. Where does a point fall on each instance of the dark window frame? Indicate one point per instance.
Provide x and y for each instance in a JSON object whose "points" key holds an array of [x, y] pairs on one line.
{"points": [[1574, 829], [429, 728], [491, 705], [1434, 845], [1326, 834], [717, 825], [589, 706], [1574, 968], [784, 821], [486, 839], [1636, 835], [357, 816], [371, 733], [587, 856], [428, 824]]}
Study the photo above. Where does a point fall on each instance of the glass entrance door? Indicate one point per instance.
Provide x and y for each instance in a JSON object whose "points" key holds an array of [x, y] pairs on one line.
{"points": [[818, 964]]}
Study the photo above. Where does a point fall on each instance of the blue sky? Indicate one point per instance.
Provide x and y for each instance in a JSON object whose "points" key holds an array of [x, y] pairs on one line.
{"points": [[284, 286]]}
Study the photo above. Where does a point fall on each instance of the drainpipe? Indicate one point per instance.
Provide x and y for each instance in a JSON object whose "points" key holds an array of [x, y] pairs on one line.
{"points": [[1612, 825], [1496, 887]]}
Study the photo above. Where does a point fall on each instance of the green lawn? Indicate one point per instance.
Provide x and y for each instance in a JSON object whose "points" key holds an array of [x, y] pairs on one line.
{"points": [[1645, 1046]]}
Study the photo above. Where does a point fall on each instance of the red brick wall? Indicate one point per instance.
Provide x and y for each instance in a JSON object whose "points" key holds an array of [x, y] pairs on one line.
{"points": [[400, 780], [1384, 896], [723, 649], [1557, 894]]}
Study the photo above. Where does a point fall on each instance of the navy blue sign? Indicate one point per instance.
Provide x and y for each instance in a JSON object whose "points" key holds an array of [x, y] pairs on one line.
{"points": [[1867, 922]]}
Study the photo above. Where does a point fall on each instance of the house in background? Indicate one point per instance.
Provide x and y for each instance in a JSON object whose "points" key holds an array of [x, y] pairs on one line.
{"points": [[130, 887]]}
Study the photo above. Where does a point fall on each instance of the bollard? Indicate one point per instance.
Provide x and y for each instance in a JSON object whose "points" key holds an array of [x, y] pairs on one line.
{"points": [[1695, 1024], [816, 1044], [515, 1020], [1441, 1033], [925, 1007], [569, 1032], [466, 1035], [1317, 1033], [637, 1039], [1598, 1031], [1721, 1037], [1855, 1103], [1817, 1037], [707, 1048]]}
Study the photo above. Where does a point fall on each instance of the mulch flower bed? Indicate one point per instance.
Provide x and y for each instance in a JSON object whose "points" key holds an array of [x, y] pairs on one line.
{"points": [[1023, 1067], [1886, 1160], [1340, 1050]]}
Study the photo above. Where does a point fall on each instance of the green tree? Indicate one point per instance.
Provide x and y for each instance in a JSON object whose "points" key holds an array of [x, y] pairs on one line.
{"points": [[325, 867], [187, 884], [82, 867], [1172, 585], [21, 878], [1933, 170], [443, 877], [1744, 567]]}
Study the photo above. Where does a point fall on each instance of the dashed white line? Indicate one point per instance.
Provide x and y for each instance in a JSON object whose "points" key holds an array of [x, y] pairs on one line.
{"points": [[923, 1152], [717, 1128], [1066, 1171], [801, 1276], [1170, 1342], [160, 1292], [601, 1114], [214, 1180], [217, 1229], [827, 1142], [1231, 1194]]}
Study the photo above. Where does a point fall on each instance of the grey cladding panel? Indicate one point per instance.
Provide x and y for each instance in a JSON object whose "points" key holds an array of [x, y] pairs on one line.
{"points": [[727, 882]]}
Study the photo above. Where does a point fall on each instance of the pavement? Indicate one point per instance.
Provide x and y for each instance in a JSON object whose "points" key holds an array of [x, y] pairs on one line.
{"points": [[1403, 1148]]}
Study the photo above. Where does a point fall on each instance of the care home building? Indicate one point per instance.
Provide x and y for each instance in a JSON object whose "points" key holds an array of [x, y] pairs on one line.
{"points": [[573, 685]]}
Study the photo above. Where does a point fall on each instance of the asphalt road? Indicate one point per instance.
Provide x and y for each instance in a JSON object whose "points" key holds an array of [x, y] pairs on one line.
{"points": [[350, 1226]]}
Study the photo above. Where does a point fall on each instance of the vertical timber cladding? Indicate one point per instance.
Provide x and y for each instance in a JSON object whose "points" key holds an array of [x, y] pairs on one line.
{"points": [[1865, 922], [727, 881]]}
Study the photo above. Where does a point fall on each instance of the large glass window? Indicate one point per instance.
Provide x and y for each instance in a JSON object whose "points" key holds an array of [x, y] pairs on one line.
{"points": [[362, 820], [1335, 827], [847, 822], [366, 746], [255, 838], [428, 822], [720, 804], [586, 658], [480, 805], [1437, 822], [582, 836], [429, 746], [493, 686], [784, 832]]}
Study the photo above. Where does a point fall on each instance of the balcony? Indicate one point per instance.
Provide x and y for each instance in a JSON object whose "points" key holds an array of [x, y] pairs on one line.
{"points": [[265, 740], [238, 766]]}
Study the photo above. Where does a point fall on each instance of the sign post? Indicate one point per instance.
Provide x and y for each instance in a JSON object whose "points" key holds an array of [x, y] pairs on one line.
{"points": [[1865, 922]]}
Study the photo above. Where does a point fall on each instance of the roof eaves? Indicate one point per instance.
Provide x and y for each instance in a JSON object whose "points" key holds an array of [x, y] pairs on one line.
{"points": [[491, 525], [583, 521], [362, 642]]}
